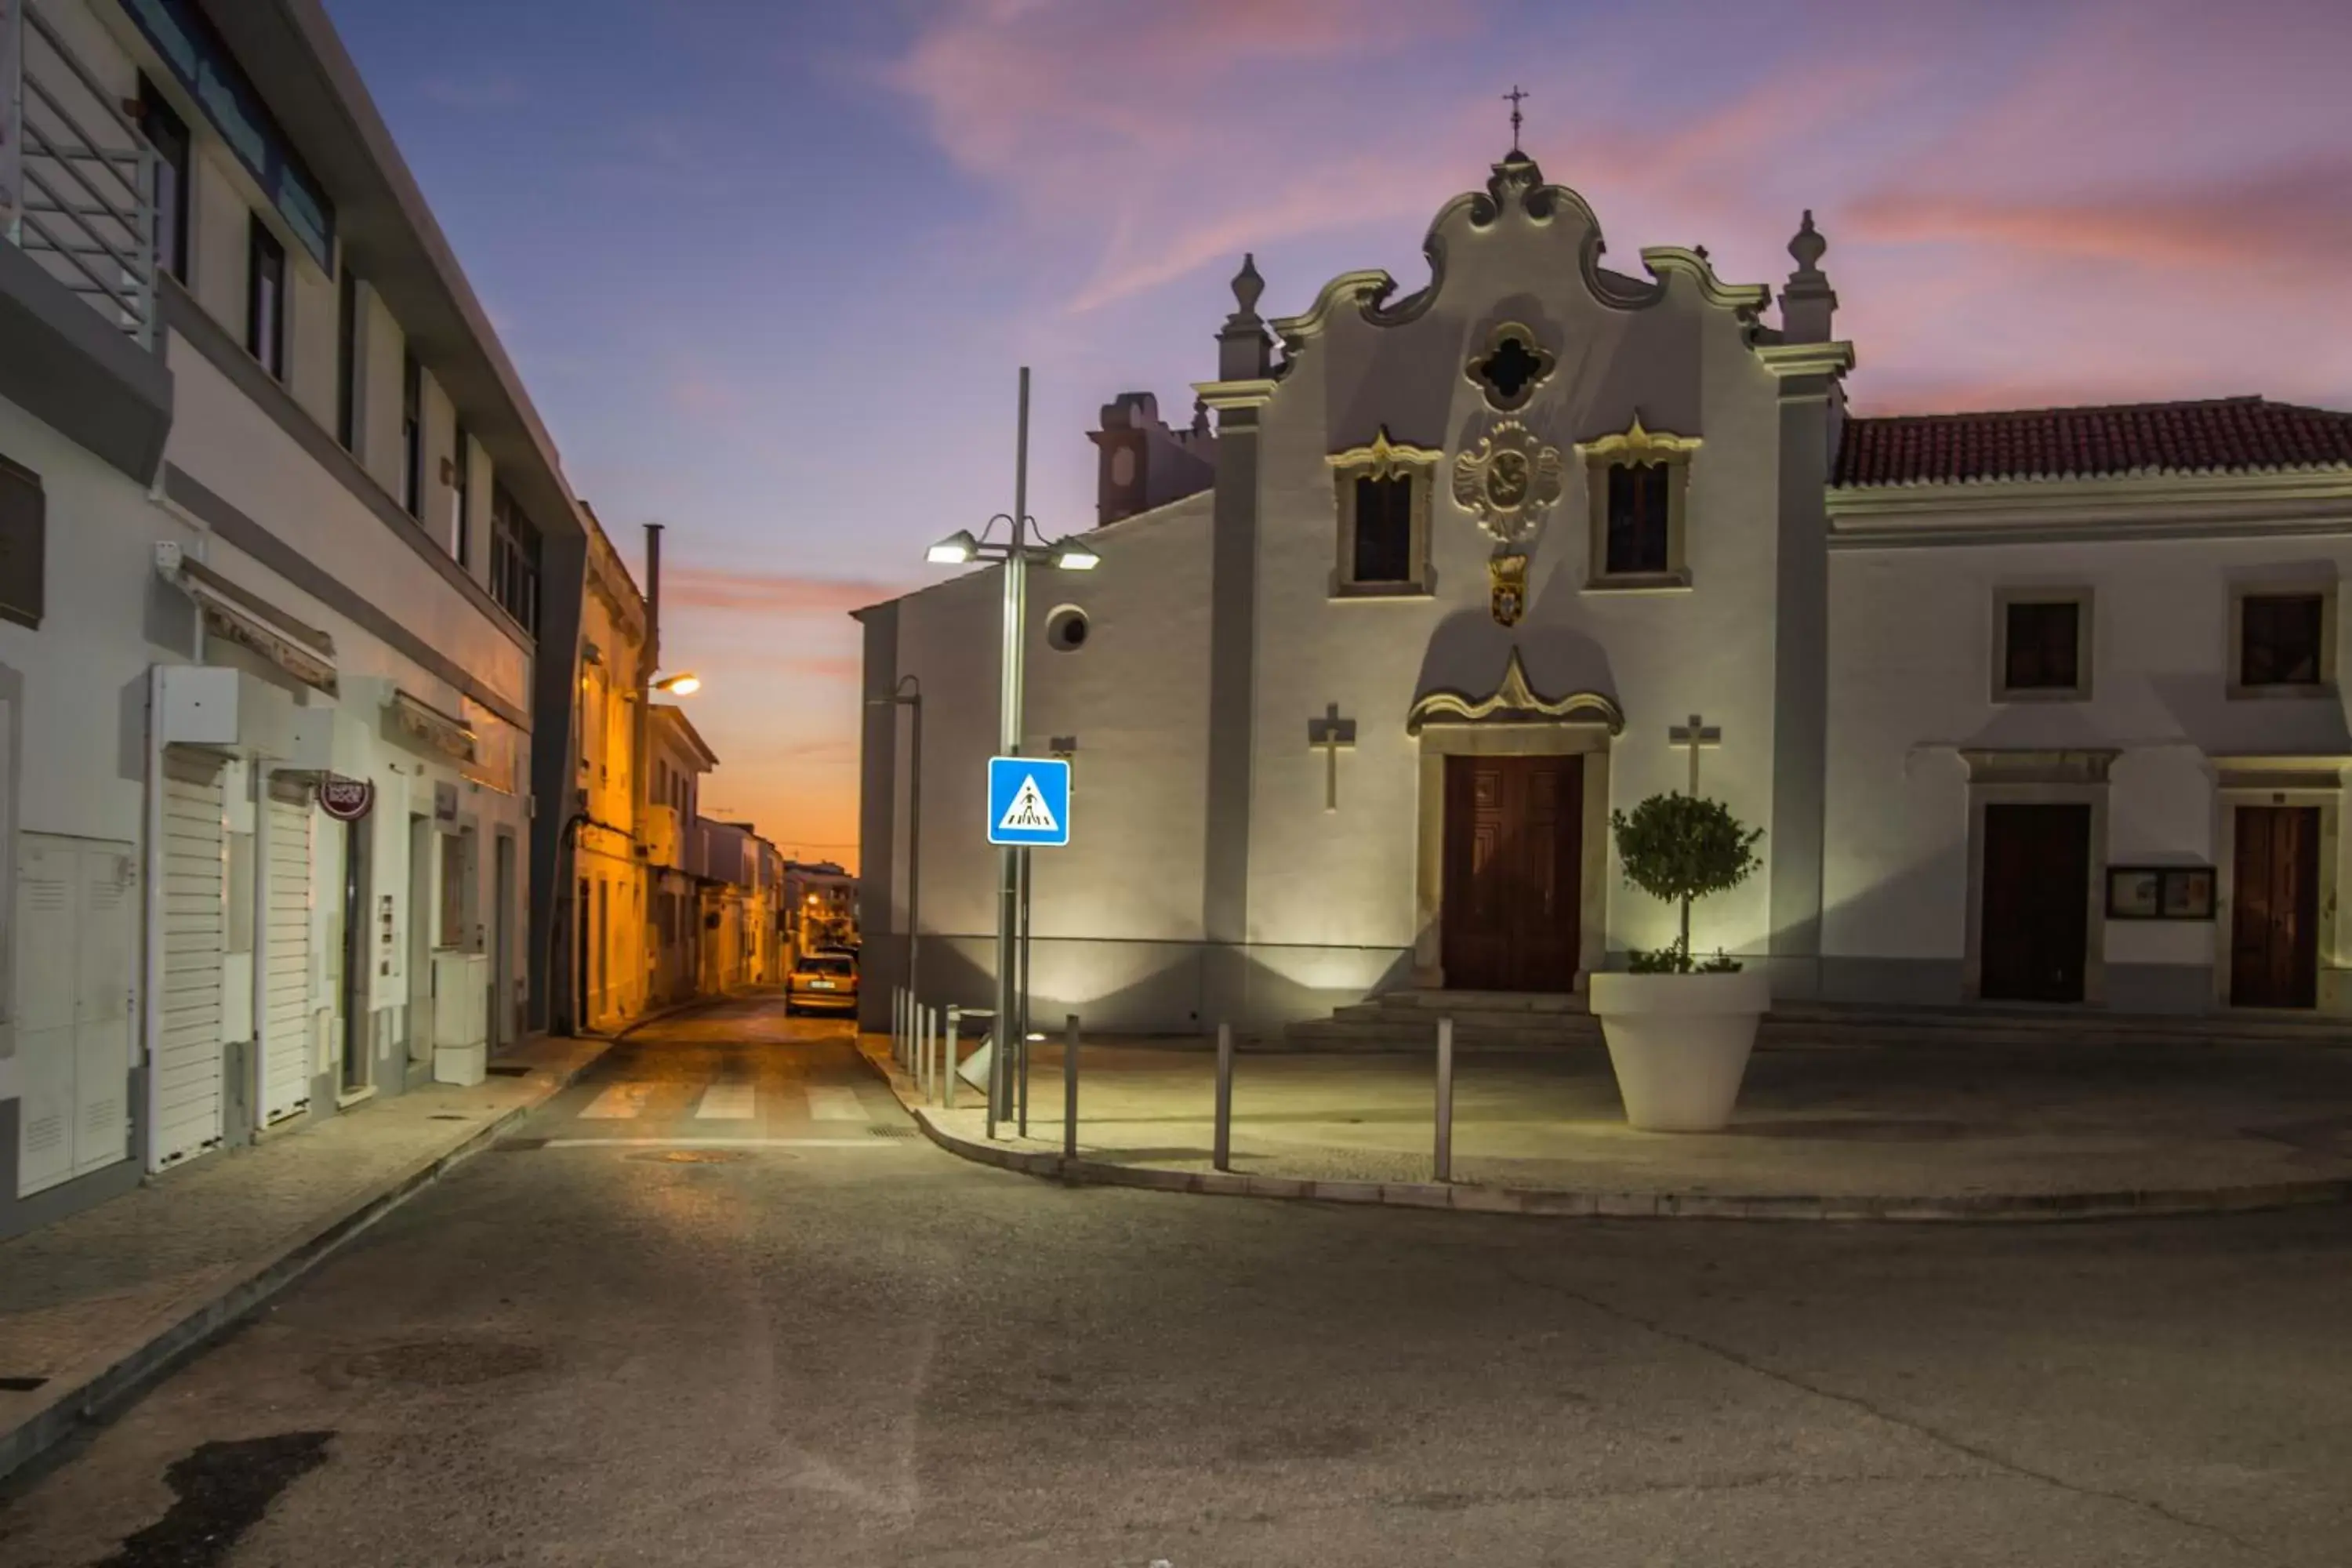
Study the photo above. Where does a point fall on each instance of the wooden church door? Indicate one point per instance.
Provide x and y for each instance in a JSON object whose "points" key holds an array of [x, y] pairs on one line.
{"points": [[1514, 872], [2037, 872]]}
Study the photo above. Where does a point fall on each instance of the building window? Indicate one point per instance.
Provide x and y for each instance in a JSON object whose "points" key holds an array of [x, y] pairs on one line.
{"points": [[168, 134], [514, 561], [1640, 529], [265, 298], [1640, 495], [2285, 641], [461, 535], [2044, 647], [24, 534], [347, 359], [1382, 495], [412, 437], [1384, 534], [1510, 367]]}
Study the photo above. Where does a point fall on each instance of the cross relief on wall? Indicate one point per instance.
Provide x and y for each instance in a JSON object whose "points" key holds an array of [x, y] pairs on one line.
{"points": [[1331, 734]]}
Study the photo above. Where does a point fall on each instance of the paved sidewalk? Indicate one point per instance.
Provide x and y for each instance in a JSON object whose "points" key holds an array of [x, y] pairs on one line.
{"points": [[99, 1303], [1914, 1132]]}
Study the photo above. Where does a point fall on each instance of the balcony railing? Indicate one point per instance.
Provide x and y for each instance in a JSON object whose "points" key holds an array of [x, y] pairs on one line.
{"points": [[84, 178]]}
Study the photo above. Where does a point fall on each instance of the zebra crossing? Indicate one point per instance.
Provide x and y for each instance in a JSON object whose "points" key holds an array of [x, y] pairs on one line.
{"points": [[731, 1101]]}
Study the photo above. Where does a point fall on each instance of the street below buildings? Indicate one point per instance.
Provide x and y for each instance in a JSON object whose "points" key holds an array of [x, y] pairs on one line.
{"points": [[719, 1303]]}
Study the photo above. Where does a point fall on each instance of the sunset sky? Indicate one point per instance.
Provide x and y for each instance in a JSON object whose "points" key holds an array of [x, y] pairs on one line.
{"points": [[769, 269]]}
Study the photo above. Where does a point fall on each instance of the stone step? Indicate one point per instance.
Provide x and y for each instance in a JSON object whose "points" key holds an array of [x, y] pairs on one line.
{"points": [[1459, 1003], [1372, 1015], [1407, 1035]]}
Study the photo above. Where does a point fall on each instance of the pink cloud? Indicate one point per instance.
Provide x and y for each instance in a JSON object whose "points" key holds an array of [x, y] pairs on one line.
{"points": [[2298, 216], [766, 593]]}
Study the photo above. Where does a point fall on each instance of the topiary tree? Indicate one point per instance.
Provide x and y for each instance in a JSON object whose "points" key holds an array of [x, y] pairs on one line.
{"points": [[1679, 848]]}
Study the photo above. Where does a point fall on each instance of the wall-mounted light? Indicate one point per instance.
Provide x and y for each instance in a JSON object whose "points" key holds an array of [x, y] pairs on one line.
{"points": [[684, 683]]}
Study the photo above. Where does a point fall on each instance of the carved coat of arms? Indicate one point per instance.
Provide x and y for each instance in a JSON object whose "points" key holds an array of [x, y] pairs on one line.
{"points": [[1508, 575], [1507, 481]]}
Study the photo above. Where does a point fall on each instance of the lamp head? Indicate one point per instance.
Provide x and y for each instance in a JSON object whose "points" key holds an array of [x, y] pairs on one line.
{"points": [[684, 683], [954, 550], [1071, 557]]}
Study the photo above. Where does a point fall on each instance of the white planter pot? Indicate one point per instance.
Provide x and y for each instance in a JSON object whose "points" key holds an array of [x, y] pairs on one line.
{"points": [[1679, 1043]]}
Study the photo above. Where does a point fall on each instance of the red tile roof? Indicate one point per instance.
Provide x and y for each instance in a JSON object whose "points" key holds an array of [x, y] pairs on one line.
{"points": [[2223, 436]]}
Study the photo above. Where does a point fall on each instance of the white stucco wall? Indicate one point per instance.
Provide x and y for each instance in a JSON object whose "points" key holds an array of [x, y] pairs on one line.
{"points": [[1116, 913], [1912, 646], [79, 746]]}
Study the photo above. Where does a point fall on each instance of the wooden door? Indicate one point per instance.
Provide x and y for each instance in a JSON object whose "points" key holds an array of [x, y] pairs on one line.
{"points": [[2274, 907], [2036, 910], [1514, 872]]}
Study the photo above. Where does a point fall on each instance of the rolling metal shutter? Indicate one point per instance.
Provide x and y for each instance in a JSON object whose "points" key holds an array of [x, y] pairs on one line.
{"points": [[285, 974], [187, 1060]]}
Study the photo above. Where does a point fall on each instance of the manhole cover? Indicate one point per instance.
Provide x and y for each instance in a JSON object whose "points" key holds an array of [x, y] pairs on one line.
{"points": [[449, 1116], [893, 1133], [446, 1363], [693, 1156]]}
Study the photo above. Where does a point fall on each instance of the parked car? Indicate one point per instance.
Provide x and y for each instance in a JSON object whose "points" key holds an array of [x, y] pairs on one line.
{"points": [[822, 980]]}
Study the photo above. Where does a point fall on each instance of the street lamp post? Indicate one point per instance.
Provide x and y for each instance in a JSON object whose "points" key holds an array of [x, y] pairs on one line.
{"points": [[1015, 553], [903, 697]]}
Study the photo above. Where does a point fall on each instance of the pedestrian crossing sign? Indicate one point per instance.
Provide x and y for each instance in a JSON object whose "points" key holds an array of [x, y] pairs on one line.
{"points": [[1029, 801]]}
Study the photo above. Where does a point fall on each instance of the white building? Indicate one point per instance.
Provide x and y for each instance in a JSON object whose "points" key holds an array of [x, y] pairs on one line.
{"points": [[2040, 707], [288, 513]]}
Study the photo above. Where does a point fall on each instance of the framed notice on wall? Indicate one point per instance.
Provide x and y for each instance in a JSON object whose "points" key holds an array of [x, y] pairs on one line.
{"points": [[2160, 892]]}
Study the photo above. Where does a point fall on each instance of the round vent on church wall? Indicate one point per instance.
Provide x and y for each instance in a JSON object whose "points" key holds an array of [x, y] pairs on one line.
{"points": [[1066, 629]]}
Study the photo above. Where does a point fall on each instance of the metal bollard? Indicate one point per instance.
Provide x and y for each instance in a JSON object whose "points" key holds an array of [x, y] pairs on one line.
{"points": [[923, 1052], [949, 1042], [1445, 1100], [1070, 1087], [1222, 1156], [898, 1025]]}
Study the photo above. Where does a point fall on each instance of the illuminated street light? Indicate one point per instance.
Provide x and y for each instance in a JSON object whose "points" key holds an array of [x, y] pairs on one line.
{"points": [[954, 550], [1075, 557], [684, 683]]}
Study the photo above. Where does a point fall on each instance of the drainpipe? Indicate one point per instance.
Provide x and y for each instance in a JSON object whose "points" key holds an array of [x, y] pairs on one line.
{"points": [[641, 778]]}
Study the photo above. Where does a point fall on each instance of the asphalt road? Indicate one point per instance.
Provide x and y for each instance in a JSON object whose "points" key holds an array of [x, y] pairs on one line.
{"points": [[699, 1311]]}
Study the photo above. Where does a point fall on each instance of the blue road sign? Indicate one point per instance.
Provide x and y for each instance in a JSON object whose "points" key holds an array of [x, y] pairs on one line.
{"points": [[1029, 801]]}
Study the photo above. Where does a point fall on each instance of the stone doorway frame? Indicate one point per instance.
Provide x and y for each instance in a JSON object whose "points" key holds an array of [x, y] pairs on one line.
{"points": [[1511, 721], [2029, 777]]}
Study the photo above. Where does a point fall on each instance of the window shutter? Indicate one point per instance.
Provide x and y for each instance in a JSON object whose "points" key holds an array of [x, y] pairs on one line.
{"points": [[23, 525]]}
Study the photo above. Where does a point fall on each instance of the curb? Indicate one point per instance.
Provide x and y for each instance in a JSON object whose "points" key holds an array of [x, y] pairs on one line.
{"points": [[93, 1393], [1464, 1197]]}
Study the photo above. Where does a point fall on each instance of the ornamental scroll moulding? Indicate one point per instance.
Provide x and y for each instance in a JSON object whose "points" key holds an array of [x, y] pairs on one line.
{"points": [[1507, 481]]}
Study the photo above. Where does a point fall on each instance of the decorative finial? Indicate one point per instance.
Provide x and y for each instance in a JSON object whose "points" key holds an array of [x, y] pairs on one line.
{"points": [[1516, 97], [1808, 246], [1200, 417], [1699, 251], [1248, 286]]}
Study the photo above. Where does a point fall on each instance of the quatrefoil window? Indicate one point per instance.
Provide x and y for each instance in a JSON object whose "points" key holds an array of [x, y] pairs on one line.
{"points": [[1513, 365]]}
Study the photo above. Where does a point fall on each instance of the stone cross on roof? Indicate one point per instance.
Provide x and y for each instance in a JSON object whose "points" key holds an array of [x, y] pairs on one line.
{"points": [[1516, 97]]}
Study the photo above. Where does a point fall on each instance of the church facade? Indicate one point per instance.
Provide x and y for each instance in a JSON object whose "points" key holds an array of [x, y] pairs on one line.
{"points": [[2035, 708]]}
